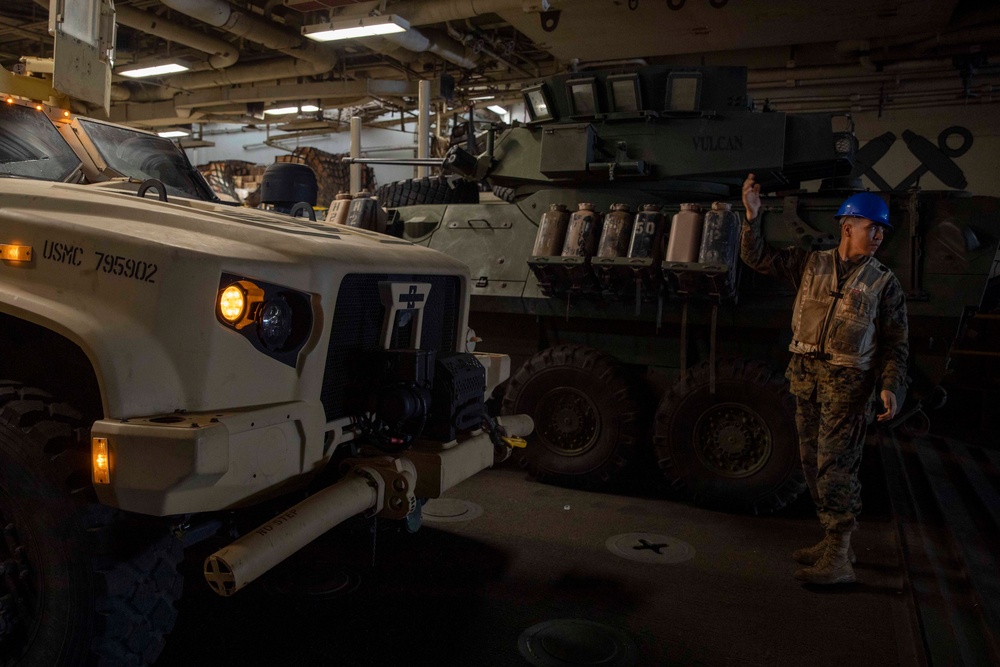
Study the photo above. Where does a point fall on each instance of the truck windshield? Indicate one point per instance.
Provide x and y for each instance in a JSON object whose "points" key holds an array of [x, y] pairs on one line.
{"points": [[141, 156], [31, 147]]}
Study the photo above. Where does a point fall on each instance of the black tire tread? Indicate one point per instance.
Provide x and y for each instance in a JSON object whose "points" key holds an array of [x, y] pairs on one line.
{"points": [[135, 593], [506, 194], [759, 376], [440, 190], [607, 370]]}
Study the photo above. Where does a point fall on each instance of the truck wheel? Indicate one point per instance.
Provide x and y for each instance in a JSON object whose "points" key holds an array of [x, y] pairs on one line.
{"points": [[428, 191], [736, 449], [585, 414], [78, 586]]}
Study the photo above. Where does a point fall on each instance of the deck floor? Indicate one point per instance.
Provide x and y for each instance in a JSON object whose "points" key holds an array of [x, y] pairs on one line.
{"points": [[464, 593]]}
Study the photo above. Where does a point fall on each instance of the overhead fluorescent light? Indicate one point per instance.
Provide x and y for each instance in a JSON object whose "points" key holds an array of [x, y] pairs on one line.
{"points": [[281, 111], [155, 70], [364, 26], [482, 98], [173, 134], [496, 108], [308, 108]]}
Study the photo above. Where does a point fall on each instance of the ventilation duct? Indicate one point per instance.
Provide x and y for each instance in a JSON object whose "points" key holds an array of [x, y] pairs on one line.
{"points": [[221, 53], [251, 27]]}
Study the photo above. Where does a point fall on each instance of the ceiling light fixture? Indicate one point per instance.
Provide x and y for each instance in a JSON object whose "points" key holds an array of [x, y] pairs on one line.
{"points": [[497, 109], [173, 134], [364, 26], [155, 70], [282, 111], [308, 108]]}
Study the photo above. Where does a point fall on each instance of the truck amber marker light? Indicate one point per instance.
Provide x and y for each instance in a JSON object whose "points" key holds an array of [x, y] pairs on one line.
{"points": [[102, 462], [15, 253]]}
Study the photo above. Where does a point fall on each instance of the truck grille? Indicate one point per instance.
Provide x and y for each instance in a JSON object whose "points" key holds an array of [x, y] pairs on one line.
{"points": [[357, 326]]}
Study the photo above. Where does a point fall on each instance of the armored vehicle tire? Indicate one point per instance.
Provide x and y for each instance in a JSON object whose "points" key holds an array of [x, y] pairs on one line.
{"points": [[585, 414], [736, 449], [74, 591], [506, 194], [428, 191]]}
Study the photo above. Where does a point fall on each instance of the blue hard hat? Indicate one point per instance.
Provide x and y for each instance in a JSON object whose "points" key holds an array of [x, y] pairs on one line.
{"points": [[866, 205]]}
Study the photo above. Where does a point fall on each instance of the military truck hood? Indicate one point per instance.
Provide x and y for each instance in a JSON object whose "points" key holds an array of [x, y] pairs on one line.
{"points": [[200, 227]]}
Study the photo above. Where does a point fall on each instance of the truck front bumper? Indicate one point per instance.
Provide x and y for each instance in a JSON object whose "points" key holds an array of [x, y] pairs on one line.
{"points": [[195, 462]]}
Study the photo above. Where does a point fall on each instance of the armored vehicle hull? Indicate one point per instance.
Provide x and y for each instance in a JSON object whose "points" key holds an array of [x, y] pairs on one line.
{"points": [[662, 363], [671, 351]]}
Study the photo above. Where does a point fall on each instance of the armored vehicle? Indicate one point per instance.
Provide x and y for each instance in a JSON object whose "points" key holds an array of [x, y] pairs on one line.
{"points": [[174, 367], [610, 272]]}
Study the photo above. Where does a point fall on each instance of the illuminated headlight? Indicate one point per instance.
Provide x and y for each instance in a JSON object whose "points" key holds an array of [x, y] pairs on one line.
{"points": [[232, 303], [282, 317], [237, 301]]}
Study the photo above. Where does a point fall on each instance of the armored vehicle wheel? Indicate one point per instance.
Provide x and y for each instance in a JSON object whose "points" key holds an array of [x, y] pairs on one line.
{"points": [[72, 591], [428, 191], [736, 449], [585, 414]]}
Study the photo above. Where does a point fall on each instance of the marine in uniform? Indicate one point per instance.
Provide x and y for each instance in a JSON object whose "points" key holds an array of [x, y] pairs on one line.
{"points": [[849, 339]]}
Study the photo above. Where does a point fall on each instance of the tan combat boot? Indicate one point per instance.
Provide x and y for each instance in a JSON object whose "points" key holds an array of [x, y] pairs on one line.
{"points": [[833, 566], [811, 555]]}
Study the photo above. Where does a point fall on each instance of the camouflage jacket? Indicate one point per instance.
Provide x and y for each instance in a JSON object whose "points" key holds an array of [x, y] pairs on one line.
{"points": [[812, 377]]}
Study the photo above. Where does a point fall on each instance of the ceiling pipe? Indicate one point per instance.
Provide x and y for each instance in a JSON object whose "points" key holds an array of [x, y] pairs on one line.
{"points": [[424, 12], [282, 68], [892, 80], [221, 53], [877, 52], [913, 86], [474, 30], [138, 93], [979, 34], [779, 76], [434, 42], [221, 14], [469, 41], [881, 108]]}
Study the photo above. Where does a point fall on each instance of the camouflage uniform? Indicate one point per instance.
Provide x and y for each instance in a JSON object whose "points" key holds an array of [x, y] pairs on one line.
{"points": [[833, 403]]}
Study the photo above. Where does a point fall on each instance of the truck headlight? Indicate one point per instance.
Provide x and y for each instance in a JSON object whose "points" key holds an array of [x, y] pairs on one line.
{"points": [[238, 302], [275, 323], [283, 316], [232, 302]]}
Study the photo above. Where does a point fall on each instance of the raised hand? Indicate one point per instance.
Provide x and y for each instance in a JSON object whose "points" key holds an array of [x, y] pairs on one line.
{"points": [[751, 197]]}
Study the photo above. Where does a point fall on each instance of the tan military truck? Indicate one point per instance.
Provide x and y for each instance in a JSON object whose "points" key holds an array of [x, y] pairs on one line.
{"points": [[169, 360]]}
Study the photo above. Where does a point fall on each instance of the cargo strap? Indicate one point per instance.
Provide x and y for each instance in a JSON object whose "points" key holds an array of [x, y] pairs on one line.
{"points": [[712, 343], [684, 331], [711, 350]]}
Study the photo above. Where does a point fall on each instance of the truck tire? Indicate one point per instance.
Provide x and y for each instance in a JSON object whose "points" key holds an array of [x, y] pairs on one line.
{"points": [[736, 450], [81, 587], [585, 414], [428, 191]]}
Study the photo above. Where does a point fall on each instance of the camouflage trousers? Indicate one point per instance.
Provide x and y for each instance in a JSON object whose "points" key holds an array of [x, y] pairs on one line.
{"points": [[831, 440]]}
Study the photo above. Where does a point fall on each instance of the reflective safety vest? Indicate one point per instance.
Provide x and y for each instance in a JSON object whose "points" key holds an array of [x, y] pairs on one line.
{"points": [[838, 326]]}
